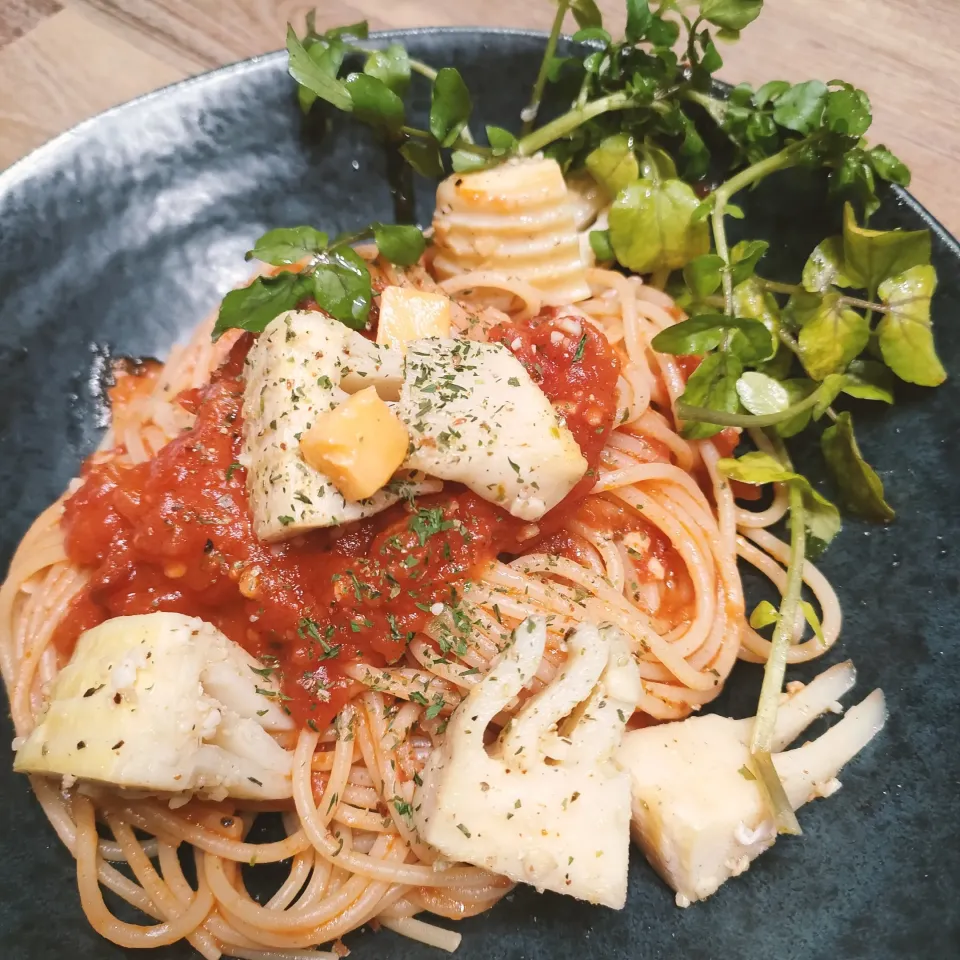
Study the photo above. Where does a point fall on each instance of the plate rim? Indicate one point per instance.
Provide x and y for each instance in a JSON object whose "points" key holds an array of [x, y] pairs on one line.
{"points": [[33, 162]]}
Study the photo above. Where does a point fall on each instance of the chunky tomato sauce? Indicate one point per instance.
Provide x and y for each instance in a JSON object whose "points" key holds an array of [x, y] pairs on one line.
{"points": [[176, 534], [577, 371]]}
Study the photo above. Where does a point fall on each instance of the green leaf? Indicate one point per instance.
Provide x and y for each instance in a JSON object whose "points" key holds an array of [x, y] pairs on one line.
{"points": [[779, 365], [730, 14], [764, 614], [402, 244], [287, 245], [424, 156], [360, 30], [391, 67], [329, 58], [847, 111], [465, 160], [613, 164], [639, 20], [651, 226], [906, 333], [375, 103], [825, 267], [756, 468], [586, 13], [821, 517], [661, 33], [761, 394], [861, 490], [341, 286], [869, 380], [253, 307], [828, 391], [744, 258], [713, 385], [800, 308], [810, 615], [822, 520], [832, 337], [751, 300], [500, 139], [750, 340], [694, 153], [656, 163], [704, 274], [555, 66], [798, 389], [770, 91], [711, 61], [887, 166], [588, 34], [801, 107], [450, 106], [870, 256], [600, 245], [704, 208], [852, 179], [315, 77]]}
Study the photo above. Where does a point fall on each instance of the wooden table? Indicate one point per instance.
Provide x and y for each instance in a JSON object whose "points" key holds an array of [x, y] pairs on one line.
{"points": [[64, 60]]}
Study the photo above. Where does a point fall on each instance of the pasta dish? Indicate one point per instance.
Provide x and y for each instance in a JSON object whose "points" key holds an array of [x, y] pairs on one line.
{"points": [[415, 566]]}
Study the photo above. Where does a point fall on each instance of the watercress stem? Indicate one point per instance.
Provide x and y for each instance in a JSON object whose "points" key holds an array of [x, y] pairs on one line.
{"points": [[782, 160], [424, 69], [773, 286], [692, 37], [867, 305], [584, 91], [761, 740], [530, 113], [723, 251], [787, 157], [659, 278], [569, 121], [417, 132], [789, 342], [416, 66], [747, 420], [714, 106], [789, 289]]}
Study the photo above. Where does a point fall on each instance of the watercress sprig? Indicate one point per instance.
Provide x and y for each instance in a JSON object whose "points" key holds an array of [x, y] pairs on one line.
{"points": [[645, 120], [333, 274]]}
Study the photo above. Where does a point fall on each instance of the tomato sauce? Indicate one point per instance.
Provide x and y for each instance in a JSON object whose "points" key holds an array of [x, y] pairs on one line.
{"points": [[132, 380], [175, 533], [578, 372], [653, 558]]}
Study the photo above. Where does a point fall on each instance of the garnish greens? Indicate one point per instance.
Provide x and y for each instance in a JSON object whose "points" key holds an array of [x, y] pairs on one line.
{"points": [[334, 275], [645, 120]]}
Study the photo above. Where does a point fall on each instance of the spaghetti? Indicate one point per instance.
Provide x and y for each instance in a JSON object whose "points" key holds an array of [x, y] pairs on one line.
{"points": [[650, 545]]}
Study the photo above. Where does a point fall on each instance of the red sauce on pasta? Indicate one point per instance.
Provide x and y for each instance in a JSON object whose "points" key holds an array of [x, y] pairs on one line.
{"points": [[577, 371], [175, 533]]}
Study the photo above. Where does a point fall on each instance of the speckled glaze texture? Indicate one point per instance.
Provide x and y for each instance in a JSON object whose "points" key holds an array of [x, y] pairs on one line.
{"points": [[125, 232]]}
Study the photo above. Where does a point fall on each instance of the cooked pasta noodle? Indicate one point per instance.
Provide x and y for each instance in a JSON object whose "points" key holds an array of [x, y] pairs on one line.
{"points": [[516, 222], [655, 552]]}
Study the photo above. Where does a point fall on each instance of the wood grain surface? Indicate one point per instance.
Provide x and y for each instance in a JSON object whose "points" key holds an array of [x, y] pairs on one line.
{"points": [[62, 61]]}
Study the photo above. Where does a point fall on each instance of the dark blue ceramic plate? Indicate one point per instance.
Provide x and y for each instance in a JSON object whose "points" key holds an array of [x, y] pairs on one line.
{"points": [[125, 232]]}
